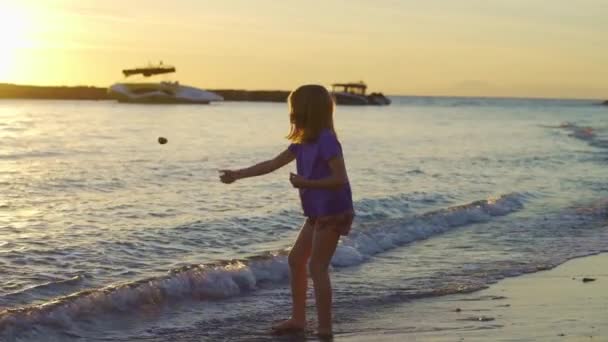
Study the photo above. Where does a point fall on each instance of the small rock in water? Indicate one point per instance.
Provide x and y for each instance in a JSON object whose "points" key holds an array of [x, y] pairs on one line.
{"points": [[458, 310], [162, 140], [586, 280]]}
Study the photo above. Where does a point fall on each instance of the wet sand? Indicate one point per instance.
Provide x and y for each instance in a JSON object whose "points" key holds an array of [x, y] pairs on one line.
{"points": [[553, 305]]}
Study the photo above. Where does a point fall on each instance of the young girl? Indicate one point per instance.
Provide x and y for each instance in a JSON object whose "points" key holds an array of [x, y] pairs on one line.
{"points": [[325, 195]]}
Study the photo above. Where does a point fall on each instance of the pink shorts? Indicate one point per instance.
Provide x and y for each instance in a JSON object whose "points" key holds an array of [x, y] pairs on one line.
{"points": [[340, 223]]}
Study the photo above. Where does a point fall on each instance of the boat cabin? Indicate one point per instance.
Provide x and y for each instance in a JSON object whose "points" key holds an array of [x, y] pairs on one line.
{"points": [[351, 88]]}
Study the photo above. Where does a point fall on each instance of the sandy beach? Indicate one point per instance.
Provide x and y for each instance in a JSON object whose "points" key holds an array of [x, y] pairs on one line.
{"points": [[553, 305]]}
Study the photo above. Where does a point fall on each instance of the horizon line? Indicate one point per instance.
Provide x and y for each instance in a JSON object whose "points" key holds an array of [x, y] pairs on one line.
{"points": [[498, 97]]}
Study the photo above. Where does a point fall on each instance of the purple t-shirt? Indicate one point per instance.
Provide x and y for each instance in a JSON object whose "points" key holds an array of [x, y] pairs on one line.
{"points": [[312, 161]]}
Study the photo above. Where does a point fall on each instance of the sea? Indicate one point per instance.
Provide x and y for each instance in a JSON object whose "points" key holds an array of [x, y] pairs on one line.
{"points": [[107, 235]]}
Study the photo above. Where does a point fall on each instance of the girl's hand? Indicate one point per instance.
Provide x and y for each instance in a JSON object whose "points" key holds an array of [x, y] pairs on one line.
{"points": [[228, 176], [297, 181]]}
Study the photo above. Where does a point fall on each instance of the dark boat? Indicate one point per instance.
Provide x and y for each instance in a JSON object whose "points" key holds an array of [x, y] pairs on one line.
{"points": [[150, 70], [354, 94]]}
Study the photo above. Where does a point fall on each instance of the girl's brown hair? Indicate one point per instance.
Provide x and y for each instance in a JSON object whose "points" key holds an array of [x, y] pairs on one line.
{"points": [[311, 109]]}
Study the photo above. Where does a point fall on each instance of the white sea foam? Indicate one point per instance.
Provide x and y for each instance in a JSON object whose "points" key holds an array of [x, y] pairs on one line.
{"points": [[232, 278]]}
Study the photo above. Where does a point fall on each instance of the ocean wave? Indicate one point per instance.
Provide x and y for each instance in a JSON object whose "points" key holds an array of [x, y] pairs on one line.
{"points": [[591, 135], [364, 243], [52, 286], [28, 155], [397, 205], [236, 277]]}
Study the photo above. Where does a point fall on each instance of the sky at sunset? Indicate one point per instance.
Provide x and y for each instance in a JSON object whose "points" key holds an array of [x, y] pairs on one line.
{"points": [[530, 48]]}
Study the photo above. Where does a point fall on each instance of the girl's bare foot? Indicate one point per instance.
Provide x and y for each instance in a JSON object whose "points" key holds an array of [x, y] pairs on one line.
{"points": [[325, 335], [288, 326]]}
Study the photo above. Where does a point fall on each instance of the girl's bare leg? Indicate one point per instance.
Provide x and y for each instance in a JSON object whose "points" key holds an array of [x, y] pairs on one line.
{"points": [[298, 258], [324, 244]]}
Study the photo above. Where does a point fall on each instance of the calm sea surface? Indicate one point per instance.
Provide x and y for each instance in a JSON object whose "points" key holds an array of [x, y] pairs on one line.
{"points": [[107, 235]]}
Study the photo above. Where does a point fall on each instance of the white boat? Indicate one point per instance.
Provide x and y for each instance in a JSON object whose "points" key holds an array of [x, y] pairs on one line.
{"points": [[158, 92]]}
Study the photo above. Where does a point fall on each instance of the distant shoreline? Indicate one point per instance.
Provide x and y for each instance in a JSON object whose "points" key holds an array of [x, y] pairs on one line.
{"points": [[13, 91]]}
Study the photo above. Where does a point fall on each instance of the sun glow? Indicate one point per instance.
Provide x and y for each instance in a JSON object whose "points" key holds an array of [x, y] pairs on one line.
{"points": [[417, 47], [14, 24]]}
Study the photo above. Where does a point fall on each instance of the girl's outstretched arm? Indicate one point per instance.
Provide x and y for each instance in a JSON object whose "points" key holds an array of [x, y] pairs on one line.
{"points": [[337, 179], [268, 166]]}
